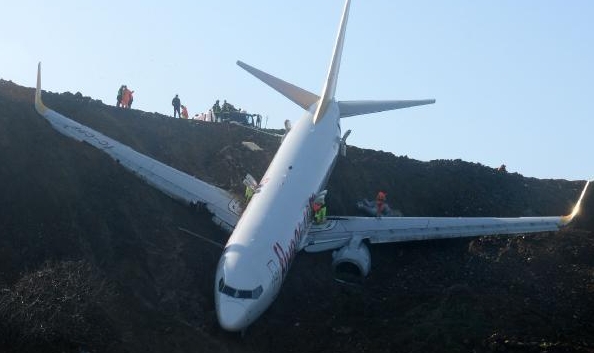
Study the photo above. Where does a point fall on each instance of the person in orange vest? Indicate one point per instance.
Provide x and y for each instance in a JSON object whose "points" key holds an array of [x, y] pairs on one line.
{"points": [[126, 97], [184, 112], [131, 99], [379, 202]]}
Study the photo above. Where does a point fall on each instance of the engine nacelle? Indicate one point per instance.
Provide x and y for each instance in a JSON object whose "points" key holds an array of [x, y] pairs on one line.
{"points": [[352, 262]]}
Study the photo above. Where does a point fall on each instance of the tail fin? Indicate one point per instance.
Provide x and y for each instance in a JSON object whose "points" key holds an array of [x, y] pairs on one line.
{"points": [[330, 85], [306, 99], [352, 108], [301, 97]]}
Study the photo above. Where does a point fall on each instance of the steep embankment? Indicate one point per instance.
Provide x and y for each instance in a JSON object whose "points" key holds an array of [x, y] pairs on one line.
{"points": [[91, 258]]}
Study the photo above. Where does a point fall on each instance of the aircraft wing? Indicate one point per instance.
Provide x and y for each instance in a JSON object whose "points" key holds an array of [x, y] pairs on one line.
{"points": [[175, 183], [338, 231]]}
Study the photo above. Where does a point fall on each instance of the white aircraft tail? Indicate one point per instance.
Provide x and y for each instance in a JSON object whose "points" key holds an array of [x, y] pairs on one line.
{"points": [[306, 99], [332, 79], [301, 97]]}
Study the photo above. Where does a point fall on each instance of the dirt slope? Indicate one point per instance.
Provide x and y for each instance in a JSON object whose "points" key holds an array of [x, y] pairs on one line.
{"points": [[91, 258]]}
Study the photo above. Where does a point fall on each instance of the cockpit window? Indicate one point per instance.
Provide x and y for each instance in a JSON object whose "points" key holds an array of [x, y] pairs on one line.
{"points": [[239, 293]]}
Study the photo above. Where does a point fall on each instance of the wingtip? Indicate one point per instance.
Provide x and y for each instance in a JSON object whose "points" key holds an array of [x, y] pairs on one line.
{"points": [[576, 209], [39, 106]]}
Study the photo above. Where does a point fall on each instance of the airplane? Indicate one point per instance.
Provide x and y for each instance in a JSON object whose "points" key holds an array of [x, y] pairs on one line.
{"points": [[277, 223]]}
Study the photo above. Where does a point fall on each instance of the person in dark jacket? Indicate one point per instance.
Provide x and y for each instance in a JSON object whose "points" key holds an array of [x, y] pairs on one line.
{"points": [[176, 104], [120, 94]]}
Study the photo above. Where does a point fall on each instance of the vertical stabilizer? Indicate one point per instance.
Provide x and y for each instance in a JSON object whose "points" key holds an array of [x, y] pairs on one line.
{"points": [[330, 84]]}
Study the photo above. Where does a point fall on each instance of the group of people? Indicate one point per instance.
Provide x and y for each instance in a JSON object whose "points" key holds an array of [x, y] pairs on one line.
{"points": [[319, 207], [180, 110], [227, 107], [228, 112], [125, 97]]}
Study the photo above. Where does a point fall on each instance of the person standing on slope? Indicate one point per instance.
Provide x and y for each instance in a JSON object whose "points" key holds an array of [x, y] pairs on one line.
{"points": [[176, 104], [127, 98], [120, 94]]}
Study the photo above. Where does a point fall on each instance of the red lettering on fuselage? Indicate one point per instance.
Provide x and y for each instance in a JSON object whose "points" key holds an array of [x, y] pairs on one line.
{"points": [[285, 257]]}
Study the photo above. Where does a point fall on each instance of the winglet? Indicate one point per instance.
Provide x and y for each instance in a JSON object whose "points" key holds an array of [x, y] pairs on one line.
{"points": [[38, 102], [576, 209], [330, 85]]}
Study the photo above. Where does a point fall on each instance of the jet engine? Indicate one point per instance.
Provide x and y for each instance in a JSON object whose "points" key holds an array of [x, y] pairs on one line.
{"points": [[351, 263]]}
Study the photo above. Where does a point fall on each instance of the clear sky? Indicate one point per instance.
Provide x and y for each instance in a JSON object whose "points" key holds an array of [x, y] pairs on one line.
{"points": [[513, 79]]}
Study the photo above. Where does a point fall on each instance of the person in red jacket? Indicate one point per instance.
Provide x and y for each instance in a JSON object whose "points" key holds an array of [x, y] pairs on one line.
{"points": [[127, 98]]}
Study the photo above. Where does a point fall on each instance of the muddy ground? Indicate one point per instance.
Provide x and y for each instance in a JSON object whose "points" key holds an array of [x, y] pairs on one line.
{"points": [[91, 258]]}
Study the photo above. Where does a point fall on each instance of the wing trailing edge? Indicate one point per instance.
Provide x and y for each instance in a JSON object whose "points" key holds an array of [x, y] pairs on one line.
{"points": [[353, 108]]}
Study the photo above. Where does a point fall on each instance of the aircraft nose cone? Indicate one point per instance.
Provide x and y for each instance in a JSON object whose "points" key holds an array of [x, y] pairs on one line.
{"points": [[232, 316]]}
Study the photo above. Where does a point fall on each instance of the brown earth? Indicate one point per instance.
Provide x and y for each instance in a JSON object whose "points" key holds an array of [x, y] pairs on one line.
{"points": [[91, 258]]}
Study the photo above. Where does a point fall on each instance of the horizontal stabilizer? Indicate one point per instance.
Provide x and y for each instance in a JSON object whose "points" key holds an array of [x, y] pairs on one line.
{"points": [[298, 95], [352, 108]]}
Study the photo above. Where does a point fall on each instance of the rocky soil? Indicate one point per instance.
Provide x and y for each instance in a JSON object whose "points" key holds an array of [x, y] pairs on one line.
{"points": [[91, 258]]}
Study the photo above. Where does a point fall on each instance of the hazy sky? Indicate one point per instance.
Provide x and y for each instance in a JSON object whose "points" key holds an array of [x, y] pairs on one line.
{"points": [[513, 79]]}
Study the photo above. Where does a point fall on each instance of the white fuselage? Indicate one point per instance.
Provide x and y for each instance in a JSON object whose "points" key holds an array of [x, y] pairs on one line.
{"points": [[276, 221]]}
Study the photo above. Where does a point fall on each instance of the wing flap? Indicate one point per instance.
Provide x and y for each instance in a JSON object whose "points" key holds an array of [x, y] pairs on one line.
{"points": [[400, 229]]}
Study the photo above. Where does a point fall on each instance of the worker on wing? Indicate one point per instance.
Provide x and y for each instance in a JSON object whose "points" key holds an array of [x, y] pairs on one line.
{"points": [[319, 208], [249, 192], [379, 203]]}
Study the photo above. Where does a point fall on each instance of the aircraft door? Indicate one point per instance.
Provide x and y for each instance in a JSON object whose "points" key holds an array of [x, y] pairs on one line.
{"points": [[275, 275]]}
